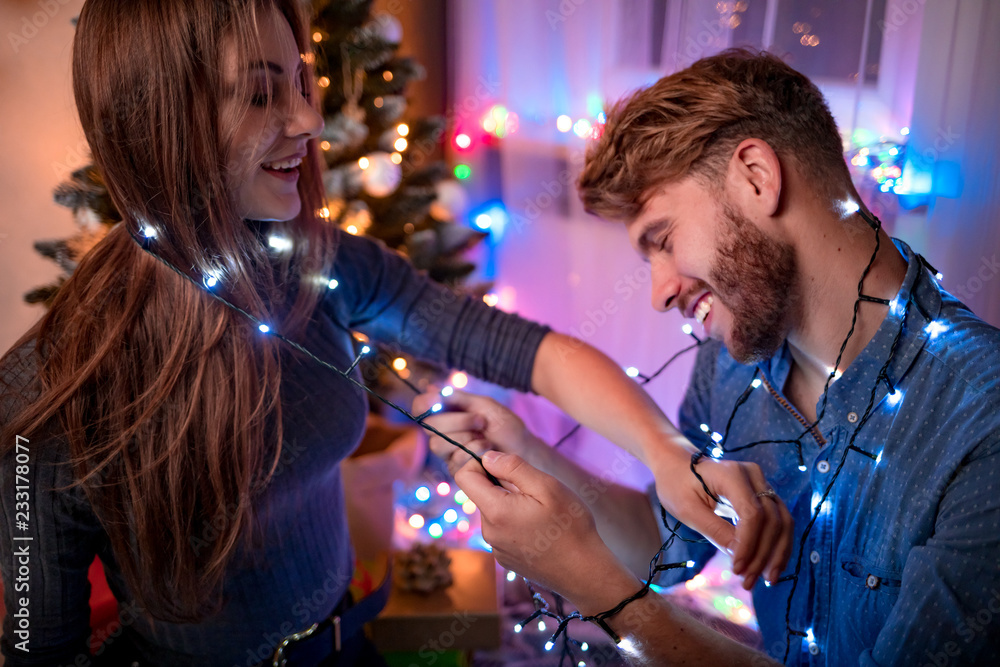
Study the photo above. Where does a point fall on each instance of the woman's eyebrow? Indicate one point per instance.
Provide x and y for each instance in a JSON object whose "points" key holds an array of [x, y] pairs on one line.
{"points": [[274, 67]]}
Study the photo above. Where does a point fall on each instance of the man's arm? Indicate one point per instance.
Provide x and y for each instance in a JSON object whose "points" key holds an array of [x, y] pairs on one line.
{"points": [[578, 565]]}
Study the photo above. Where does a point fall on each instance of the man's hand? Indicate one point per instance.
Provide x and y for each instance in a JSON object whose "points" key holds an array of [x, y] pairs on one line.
{"points": [[543, 531], [479, 423], [761, 541]]}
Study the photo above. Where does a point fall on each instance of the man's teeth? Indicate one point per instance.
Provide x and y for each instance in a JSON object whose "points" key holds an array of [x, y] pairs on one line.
{"points": [[704, 306], [286, 164]]}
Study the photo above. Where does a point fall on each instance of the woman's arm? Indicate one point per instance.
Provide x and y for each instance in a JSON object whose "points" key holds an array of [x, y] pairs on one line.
{"points": [[593, 389]]}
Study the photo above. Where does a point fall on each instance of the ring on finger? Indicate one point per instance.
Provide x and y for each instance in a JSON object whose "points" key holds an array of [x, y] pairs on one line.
{"points": [[769, 493]]}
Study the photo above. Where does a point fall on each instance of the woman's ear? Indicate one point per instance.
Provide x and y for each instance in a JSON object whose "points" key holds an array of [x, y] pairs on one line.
{"points": [[755, 177]]}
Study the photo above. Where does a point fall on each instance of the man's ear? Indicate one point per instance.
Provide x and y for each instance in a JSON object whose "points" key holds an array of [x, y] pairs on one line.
{"points": [[755, 178]]}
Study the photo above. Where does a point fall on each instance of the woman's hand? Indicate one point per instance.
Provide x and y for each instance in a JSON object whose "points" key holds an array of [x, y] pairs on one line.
{"points": [[761, 541], [478, 422]]}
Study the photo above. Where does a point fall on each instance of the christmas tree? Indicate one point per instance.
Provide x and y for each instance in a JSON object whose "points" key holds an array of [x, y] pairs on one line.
{"points": [[382, 178]]}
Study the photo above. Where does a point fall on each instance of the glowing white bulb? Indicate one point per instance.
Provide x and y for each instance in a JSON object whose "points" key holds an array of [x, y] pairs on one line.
{"points": [[460, 497], [549, 645], [279, 243], [333, 283], [417, 521], [690, 563], [687, 328], [625, 644], [582, 127], [211, 280], [463, 141], [423, 494], [705, 428], [365, 350], [264, 328], [895, 307], [894, 398], [716, 437], [450, 516], [443, 489], [584, 646], [767, 584], [810, 637], [581, 664], [632, 371], [848, 207], [149, 232], [435, 530], [904, 131], [939, 275], [717, 452], [518, 627], [878, 459], [818, 502], [511, 576], [935, 328], [437, 407], [802, 468], [483, 221], [564, 123], [447, 391], [541, 626]]}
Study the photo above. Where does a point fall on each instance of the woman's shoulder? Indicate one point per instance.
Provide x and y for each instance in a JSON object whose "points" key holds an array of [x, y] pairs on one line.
{"points": [[19, 381]]}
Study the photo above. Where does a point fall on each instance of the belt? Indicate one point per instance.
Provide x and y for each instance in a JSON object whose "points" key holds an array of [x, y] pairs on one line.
{"points": [[327, 637]]}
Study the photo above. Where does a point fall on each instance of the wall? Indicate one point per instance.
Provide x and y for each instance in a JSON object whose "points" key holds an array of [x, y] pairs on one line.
{"points": [[41, 142]]}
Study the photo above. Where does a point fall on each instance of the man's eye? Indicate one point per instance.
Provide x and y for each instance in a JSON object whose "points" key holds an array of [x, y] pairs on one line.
{"points": [[665, 244]]}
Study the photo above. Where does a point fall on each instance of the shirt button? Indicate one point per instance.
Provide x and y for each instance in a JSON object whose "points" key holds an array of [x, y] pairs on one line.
{"points": [[823, 466], [852, 417], [872, 581], [814, 557], [814, 649]]}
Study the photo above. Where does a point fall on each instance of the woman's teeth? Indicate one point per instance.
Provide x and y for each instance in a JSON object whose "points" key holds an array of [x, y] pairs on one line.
{"points": [[703, 308], [285, 164]]}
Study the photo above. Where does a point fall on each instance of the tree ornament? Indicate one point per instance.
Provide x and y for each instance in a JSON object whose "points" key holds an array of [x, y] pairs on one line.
{"points": [[422, 569], [382, 176], [387, 27]]}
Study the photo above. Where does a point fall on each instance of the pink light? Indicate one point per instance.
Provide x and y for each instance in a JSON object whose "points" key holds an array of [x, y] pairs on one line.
{"points": [[443, 489]]}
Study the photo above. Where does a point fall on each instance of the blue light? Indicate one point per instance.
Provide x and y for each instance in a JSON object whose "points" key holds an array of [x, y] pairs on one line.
{"points": [[491, 216], [894, 398], [549, 645], [704, 428], [717, 452], [264, 328], [756, 383], [878, 459], [717, 437], [451, 516], [437, 407], [423, 494], [365, 350]]}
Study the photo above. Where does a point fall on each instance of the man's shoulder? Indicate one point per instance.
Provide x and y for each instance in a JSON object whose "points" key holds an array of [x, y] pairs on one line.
{"points": [[963, 345]]}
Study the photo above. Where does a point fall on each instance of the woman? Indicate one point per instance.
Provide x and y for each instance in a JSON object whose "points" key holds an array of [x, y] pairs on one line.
{"points": [[167, 433]]}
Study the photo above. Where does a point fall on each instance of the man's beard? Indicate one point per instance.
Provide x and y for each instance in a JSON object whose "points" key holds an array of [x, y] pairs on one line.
{"points": [[757, 280]]}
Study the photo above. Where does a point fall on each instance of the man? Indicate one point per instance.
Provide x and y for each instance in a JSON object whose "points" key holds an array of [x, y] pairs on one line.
{"points": [[866, 393]]}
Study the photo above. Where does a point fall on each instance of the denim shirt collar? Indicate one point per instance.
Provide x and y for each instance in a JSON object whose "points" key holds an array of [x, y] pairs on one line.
{"points": [[919, 300]]}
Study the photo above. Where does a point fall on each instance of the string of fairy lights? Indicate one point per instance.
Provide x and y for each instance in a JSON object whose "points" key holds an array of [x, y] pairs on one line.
{"points": [[717, 445]]}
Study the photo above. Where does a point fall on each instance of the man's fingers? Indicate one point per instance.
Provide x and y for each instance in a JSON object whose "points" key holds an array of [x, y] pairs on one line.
{"points": [[451, 422], [481, 491]]}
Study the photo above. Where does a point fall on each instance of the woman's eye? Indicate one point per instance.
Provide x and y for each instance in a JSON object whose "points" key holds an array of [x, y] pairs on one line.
{"points": [[260, 99]]}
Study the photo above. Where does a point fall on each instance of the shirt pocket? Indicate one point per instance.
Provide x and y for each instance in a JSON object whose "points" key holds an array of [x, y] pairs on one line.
{"points": [[867, 592]]}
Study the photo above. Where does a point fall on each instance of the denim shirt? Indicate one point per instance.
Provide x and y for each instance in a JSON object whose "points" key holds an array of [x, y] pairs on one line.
{"points": [[902, 564]]}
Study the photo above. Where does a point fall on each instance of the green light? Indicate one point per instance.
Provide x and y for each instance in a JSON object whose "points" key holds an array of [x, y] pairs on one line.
{"points": [[462, 171], [435, 530]]}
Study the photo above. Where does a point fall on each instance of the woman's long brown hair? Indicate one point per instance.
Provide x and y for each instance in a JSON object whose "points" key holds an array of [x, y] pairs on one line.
{"points": [[169, 399]]}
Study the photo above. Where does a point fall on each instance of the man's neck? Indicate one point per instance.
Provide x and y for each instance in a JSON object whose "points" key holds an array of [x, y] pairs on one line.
{"points": [[831, 263]]}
